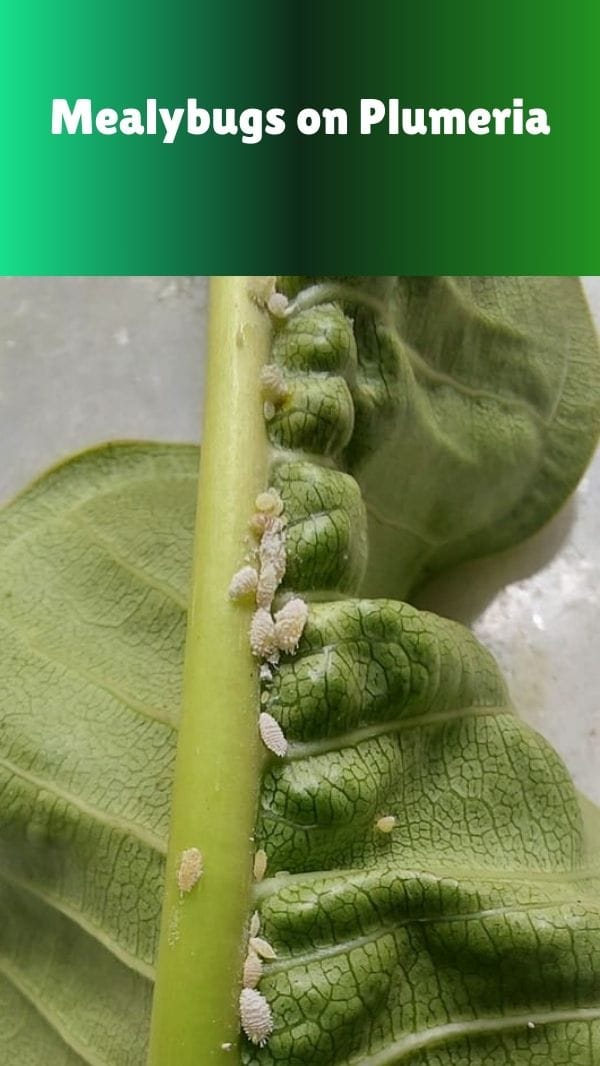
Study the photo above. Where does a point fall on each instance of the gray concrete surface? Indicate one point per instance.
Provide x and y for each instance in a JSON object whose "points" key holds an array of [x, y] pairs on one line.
{"points": [[90, 359]]}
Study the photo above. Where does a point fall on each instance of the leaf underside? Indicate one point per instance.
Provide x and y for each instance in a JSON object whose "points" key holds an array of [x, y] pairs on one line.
{"points": [[94, 578], [472, 409], [435, 944], [470, 934]]}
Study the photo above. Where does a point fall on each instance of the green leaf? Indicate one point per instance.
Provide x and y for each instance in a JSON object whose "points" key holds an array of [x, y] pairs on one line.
{"points": [[469, 934], [476, 915], [471, 408], [94, 573]]}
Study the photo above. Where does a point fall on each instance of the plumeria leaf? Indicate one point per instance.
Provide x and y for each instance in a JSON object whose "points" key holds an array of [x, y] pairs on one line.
{"points": [[431, 894], [94, 571], [471, 407]]}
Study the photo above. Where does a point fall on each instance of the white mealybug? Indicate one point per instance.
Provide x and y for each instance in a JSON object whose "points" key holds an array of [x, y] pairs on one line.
{"points": [[226, 1047], [262, 634], [270, 502], [273, 383], [260, 865], [289, 624], [261, 523], [255, 924], [269, 411], [385, 824], [262, 947], [253, 970], [258, 523], [266, 586], [243, 583], [255, 1016], [272, 734], [266, 674], [278, 304], [190, 869]]}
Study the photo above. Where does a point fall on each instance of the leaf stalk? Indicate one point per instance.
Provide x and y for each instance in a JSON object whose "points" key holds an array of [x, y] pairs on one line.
{"points": [[219, 757]]}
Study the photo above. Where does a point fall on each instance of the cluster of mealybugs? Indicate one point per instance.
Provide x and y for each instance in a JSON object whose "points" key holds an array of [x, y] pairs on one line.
{"points": [[255, 1013], [270, 635]]}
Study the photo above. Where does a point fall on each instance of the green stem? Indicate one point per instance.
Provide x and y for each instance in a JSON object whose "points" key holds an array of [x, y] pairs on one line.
{"points": [[219, 756]]}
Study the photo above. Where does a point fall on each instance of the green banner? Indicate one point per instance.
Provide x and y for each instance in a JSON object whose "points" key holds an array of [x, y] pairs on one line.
{"points": [[322, 137]]}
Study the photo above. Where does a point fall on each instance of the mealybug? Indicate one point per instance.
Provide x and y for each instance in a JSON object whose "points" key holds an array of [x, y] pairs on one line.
{"points": [[262, 634], [289, 624], [272, 734], [267, 585], [270, 502], [385, 824], [277, 304], [260, 865], [255, 1016], [243, 583], [262, 947], [273, 384], [253, 969], [190, 869], [258, 523]]}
